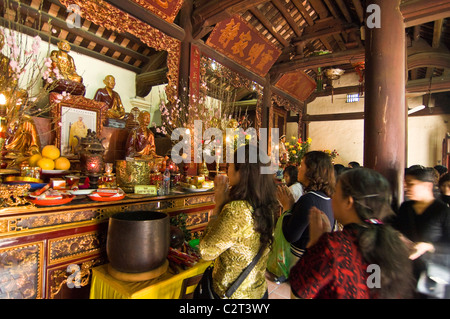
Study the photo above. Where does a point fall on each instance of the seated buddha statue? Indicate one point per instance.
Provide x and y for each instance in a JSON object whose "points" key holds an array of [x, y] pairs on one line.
{"points": [[141, 141], [64, 63], [22, 138], [111, 98]]}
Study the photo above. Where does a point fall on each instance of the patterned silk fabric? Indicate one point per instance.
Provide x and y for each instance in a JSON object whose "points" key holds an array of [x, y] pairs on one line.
{"points": [[333, 268], [233, 242]]}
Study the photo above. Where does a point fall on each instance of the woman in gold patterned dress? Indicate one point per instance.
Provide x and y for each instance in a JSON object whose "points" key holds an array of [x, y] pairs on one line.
{"points": [[244, 221]]}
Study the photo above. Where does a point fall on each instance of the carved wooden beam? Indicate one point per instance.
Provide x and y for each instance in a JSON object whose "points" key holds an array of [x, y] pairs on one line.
{"points": [[210, 13], [359, 10], [429, 111], [145, 81], [437, 33], [438, 84], [287, 16], [43, 17], [320, 8], [344, 10], [76, 48], [269, 26], [426, 59], [350, 56], [322, 29], [148, 17], [417, 12]]}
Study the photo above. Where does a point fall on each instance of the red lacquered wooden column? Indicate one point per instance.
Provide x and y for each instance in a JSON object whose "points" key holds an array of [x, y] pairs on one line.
{"points": [[384, 103]]}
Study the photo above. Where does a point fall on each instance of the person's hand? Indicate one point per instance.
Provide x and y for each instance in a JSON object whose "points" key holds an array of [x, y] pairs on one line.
{"points": [[221, 190], [318, 224], [285, 197], [420, 249]]}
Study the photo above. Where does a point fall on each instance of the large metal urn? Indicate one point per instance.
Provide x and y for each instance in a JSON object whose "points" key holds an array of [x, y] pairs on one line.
{"points": [[137, 245]]}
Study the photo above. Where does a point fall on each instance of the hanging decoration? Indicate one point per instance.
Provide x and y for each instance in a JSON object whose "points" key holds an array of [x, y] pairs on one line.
{"points": [[333, 74], [298, 84], [360, 68], [239, 41]]}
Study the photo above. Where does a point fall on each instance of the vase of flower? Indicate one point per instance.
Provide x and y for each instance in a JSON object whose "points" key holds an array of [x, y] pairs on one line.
{"points": [[297, 148]]}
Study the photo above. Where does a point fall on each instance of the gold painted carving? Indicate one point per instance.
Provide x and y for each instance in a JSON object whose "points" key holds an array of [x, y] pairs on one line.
{"points": [[59, 277], [21, 271], [66, 248]]}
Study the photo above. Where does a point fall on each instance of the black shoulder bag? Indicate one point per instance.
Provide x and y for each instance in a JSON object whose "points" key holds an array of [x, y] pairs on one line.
{"points": [[204, 289]]}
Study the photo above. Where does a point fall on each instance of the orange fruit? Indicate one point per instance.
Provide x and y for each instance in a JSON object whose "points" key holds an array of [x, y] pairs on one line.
{"points": [[32, 161], [46, 163], [51, 151], [62, 163]]}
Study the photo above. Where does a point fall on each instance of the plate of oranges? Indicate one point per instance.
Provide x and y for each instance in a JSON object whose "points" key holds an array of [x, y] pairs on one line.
{"points": [[50, 160]]}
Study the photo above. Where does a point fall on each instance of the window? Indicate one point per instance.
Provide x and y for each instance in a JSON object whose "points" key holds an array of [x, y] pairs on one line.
{"points": [[352, 98]]}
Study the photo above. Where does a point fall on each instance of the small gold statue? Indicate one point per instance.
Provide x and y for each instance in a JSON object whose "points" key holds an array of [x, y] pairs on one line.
{"points": [[111, 98], [141, 141], [64, 63]]}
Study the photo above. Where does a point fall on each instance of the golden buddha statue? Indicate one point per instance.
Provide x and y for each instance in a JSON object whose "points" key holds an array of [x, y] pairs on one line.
{"points": [[22, 138], [111, 98], [64, 63], [141, 141]]}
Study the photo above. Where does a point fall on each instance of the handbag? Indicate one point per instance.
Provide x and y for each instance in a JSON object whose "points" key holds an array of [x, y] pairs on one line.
{"points": [[280, 255], [204, 289]]}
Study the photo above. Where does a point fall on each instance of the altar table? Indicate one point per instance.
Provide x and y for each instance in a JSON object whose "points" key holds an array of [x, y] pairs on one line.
{"points": [[167, 286]]}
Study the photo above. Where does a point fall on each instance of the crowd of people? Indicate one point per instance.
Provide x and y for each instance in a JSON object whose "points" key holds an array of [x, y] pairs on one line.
{"points": [[345, 239]]}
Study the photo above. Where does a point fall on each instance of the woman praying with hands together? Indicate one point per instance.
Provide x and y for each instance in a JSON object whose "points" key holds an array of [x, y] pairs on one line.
{"points": [[367, 259]]}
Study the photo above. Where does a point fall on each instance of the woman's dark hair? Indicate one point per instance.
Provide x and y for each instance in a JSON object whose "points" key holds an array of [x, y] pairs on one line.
{"points": [[338, 169], [441, 169], [319, 172], [257, 188], [379, 244], [444, 178], [354, 164], [421, 173], [292, 172]]}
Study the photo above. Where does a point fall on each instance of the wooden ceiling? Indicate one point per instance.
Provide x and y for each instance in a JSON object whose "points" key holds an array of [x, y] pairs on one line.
{"points": [[303, 29], [310, 33]]}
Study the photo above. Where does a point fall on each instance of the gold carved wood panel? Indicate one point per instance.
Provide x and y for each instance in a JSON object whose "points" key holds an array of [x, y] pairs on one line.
{"points": [[21, 271], [75, 246]]}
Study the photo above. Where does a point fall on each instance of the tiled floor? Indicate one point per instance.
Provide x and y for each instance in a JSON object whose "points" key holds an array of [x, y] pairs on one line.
{"points": [[278, 291]]}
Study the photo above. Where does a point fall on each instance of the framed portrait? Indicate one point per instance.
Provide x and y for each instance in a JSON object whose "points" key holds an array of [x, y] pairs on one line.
{"points": [[74, 116]]}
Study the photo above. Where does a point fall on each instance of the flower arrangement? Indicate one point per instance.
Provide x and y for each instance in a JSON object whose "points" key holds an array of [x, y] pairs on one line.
{"points": [[333, 154], [297, 148], [22, 73], [247, 139]]}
